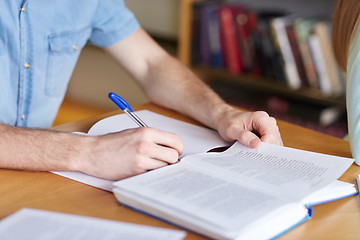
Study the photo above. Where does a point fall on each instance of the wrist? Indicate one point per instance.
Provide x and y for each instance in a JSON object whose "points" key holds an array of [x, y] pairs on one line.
{"points": [[221, 113], [78, 152]]}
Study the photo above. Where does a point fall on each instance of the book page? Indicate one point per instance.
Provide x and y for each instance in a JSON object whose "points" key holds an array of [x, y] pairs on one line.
{"points": [[214, 199], [336, 190], [39, 224], [280, 169]]}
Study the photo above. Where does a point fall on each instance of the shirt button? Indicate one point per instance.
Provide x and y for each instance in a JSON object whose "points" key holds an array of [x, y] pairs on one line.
{"points": [[23, 117], [26, 65], [23, 9], [75, 47]]}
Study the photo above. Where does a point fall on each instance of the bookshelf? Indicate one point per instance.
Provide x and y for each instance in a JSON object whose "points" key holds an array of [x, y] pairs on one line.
{"points": [[208, 74]]}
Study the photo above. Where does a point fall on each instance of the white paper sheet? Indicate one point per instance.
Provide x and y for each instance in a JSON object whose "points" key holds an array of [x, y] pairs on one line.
{"points": [[45, 225], [196, 139]]}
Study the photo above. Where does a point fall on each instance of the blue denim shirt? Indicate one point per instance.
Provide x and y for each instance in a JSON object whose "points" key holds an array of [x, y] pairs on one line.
{"points": [[40, 42]]}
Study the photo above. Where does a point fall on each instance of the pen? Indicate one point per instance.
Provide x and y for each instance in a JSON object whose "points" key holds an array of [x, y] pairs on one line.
{"points": [[121, 103]]}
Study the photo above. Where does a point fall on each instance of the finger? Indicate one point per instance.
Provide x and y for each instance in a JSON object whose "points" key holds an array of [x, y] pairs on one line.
{"points": [[249, 139], [272, 138], [268, 130], [152, 164], [164, 153], [167, 139]]}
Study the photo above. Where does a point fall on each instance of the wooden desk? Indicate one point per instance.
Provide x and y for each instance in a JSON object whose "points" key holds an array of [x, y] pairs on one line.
{"points": [[42, 190]]}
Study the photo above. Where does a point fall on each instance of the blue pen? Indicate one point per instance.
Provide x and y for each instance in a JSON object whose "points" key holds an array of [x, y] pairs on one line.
{"points": [[121, 103]]}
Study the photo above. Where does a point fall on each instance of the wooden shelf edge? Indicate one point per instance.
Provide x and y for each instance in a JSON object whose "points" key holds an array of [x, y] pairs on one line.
{"points": [[270, 86]]}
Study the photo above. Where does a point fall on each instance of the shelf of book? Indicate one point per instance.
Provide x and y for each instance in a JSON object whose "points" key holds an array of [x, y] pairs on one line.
{"points": [[246, 80], [309, 95]]}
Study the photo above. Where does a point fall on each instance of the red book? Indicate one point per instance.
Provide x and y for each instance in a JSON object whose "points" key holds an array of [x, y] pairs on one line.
{"points": [[229, 39], [246, 29]]}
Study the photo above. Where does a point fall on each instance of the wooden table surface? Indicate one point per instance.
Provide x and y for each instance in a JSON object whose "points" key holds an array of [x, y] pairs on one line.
{"points": [[43, 190]]}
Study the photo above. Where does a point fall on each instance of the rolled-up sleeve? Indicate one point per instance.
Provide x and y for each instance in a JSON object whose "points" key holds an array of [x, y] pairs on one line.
{"points": [[113, 22]]}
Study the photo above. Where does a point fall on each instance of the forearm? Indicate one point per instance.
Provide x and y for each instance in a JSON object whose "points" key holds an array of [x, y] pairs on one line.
{"points": [[39, 150], [166, 81], [171, 84]]}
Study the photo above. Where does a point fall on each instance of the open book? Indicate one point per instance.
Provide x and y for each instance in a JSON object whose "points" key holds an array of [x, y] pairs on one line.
{"points": [[241, 193], [226, 195]]}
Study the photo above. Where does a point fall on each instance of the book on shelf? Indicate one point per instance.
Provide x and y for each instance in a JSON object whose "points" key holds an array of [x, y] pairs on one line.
{"points": [[282, 42], [295, 48], [204, 36], [229, 194], [303, 28], [246, 30], [319, 62], [229, 40], [195, 32], [321, 30], [208, 34], [213, 34], [272, 43], [269, 58]]}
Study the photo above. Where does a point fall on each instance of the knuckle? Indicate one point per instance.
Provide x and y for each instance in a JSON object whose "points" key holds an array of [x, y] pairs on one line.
{"points": [[137, 166], [261, 114], [232, 126], [143, 132], [142, 148], [273, 119]]}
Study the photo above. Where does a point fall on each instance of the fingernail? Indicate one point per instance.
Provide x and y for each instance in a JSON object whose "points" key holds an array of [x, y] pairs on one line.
{"points": [[254, 142]]}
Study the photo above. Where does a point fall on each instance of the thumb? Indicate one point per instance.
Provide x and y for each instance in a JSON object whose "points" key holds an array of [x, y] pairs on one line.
{"points": [[249, 139]]}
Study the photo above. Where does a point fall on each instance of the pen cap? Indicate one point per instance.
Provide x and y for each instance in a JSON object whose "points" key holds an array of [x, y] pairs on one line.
{"points": [[120, 102]]}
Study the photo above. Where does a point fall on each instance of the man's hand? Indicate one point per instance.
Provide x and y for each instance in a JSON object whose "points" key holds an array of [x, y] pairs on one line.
{"points": [[249, 128], [130, 152]]}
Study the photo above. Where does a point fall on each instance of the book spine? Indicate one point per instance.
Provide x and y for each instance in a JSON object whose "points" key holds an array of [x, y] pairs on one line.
{"points": [[321, 30], [303, 29], [228, 40], [283, 44], [294, 44], [254, 42], [270, 60], [319, 61], [214, 38], [245, 23], [204, 36], [195, 43]]}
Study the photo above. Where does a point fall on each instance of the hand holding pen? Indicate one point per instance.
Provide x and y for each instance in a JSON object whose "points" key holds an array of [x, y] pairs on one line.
{"points": [[132, 151]]}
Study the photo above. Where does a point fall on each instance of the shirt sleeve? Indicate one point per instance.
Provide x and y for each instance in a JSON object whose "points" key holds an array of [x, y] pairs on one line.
{"points": [[113, 22], [353, 106]]}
